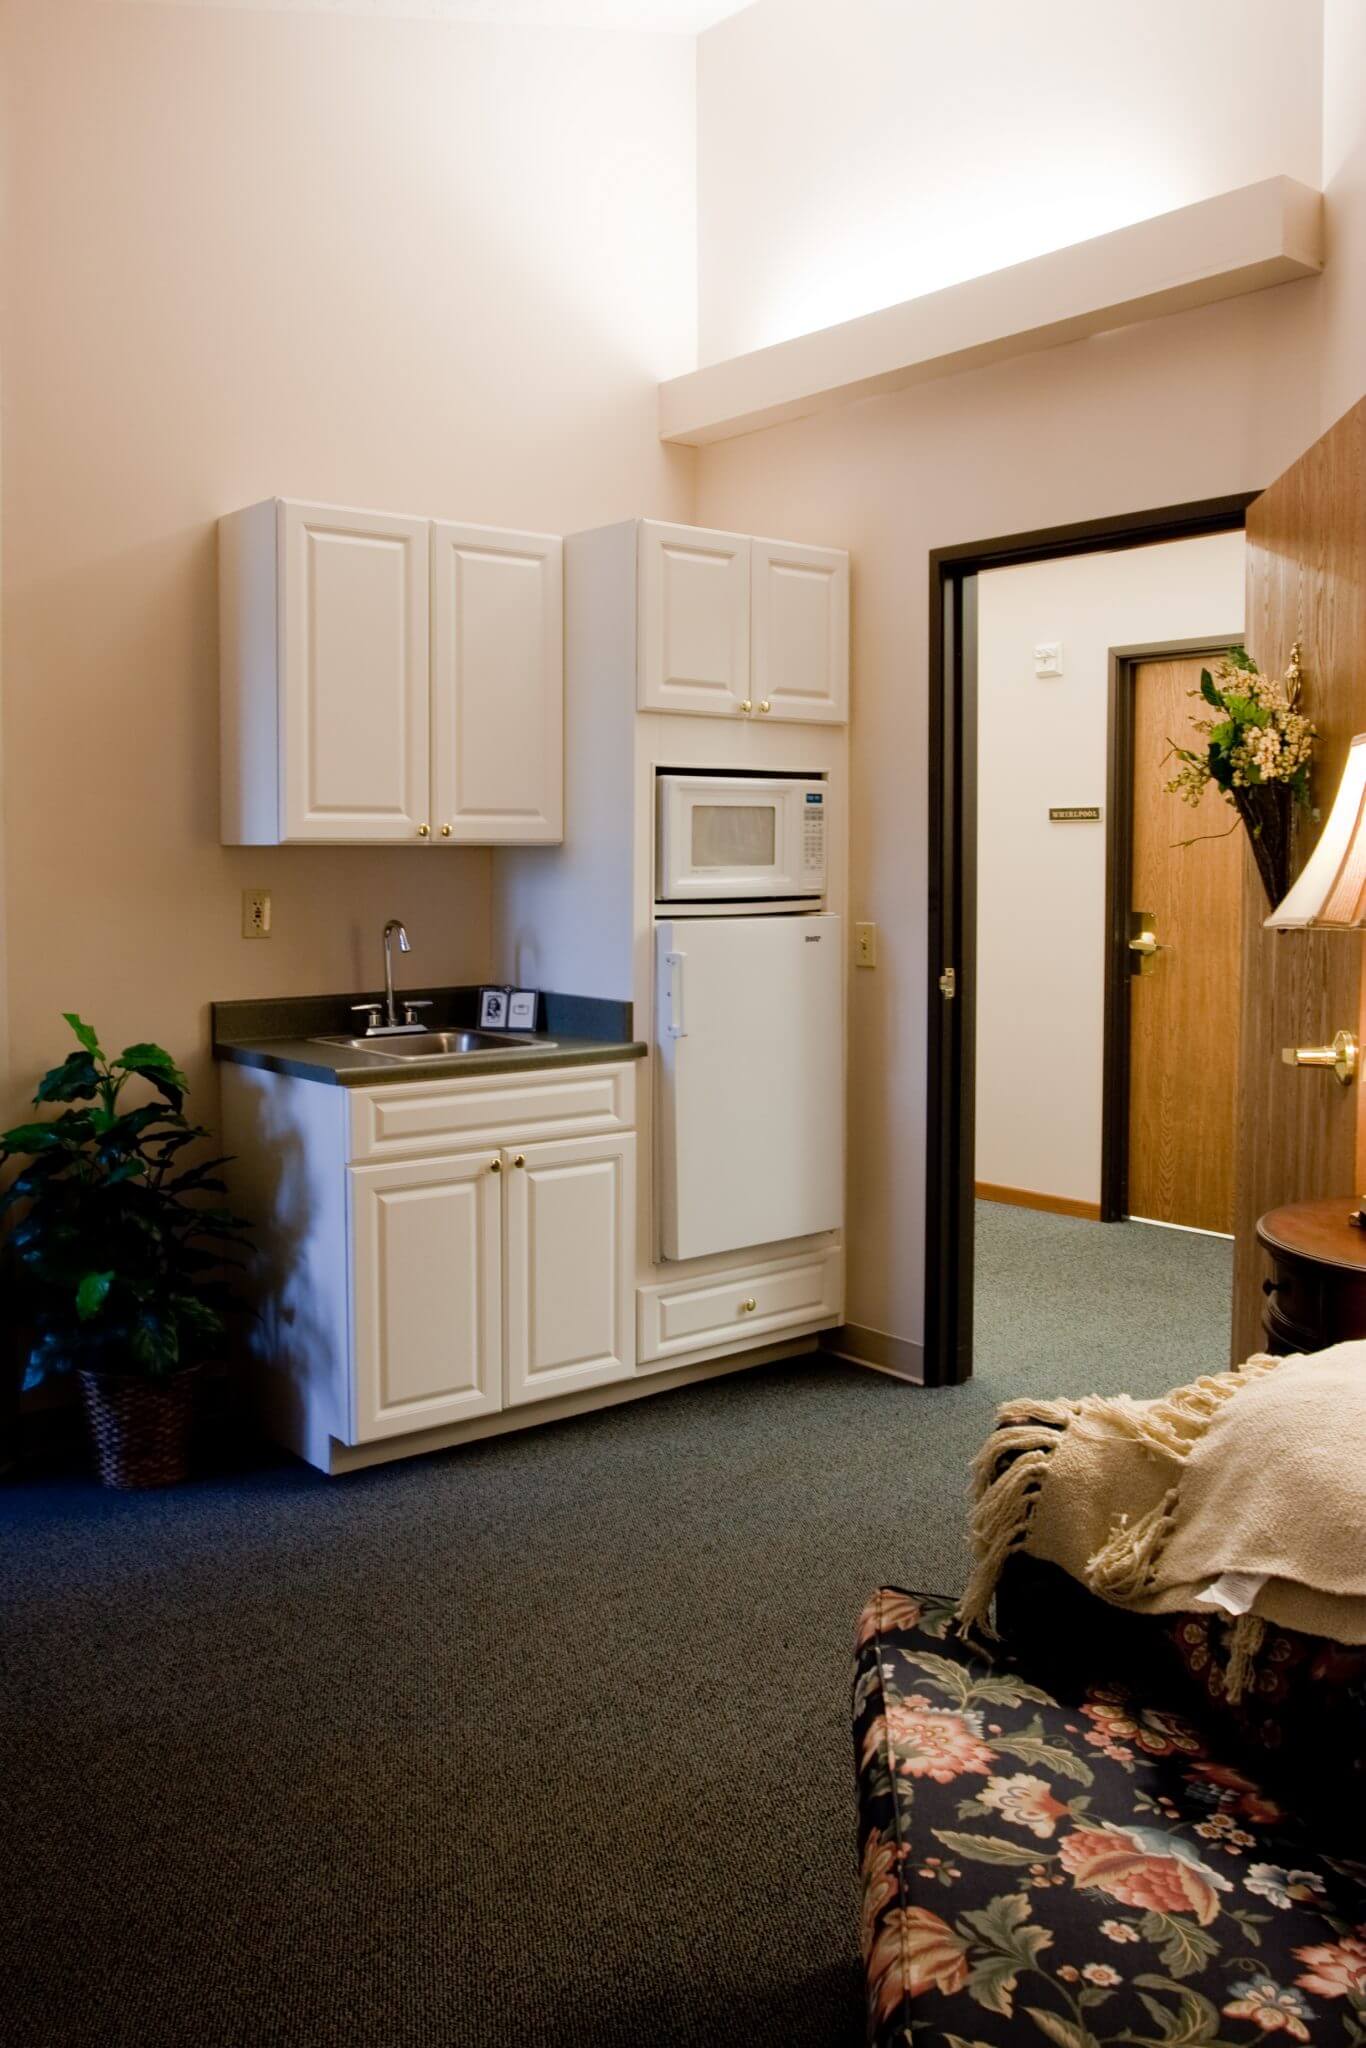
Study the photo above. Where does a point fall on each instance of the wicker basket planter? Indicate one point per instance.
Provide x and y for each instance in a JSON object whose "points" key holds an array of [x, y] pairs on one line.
{"points": [[141, 1427]]}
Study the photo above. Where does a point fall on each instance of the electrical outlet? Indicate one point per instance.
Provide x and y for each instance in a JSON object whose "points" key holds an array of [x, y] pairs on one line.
{"points": [[256, 913], [865, 945]]}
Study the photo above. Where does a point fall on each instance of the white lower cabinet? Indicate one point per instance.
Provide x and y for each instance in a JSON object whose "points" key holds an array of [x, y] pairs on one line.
{"points": [[489, 1279], [570, 1284], [426, 1295]]}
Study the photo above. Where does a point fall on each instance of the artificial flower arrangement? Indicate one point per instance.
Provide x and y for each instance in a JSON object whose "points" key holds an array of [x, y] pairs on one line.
{"points": [[1259, 754]]}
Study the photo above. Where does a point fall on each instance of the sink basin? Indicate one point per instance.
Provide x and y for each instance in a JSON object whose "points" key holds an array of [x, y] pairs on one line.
{"points": [[437, 1045]]}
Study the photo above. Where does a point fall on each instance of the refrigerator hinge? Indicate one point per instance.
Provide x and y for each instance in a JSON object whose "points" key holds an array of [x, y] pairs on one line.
{"points": [[948, 984]]}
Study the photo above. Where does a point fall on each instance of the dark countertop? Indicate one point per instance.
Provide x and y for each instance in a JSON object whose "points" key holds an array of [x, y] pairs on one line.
{"points": [[279, 1035]]}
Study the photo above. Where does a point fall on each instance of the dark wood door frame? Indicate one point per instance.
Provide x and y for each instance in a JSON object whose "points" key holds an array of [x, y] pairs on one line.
{"points": [[952, 884], [1119, 864]]}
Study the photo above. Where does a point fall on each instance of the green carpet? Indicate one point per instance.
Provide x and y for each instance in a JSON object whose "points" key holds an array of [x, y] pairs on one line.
{"points": [[540, 1743]]}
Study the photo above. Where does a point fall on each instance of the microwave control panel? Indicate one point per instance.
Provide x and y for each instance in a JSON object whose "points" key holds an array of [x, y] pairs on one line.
{"points": [[813, 837]]}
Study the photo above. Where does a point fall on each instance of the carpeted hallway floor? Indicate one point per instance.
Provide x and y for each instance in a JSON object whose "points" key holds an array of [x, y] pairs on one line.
{"points": [[536, 1744]]}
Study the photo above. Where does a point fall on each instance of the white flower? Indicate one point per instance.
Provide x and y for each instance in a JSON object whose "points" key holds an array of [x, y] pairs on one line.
{"points": [[1282, 1888]]}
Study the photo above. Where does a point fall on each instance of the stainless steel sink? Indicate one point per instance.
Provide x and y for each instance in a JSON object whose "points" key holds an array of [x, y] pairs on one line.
{"points": [[438, 1045]]}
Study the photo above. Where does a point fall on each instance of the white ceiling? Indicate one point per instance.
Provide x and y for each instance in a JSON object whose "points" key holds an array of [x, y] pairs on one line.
{"points": [[666, 17]]}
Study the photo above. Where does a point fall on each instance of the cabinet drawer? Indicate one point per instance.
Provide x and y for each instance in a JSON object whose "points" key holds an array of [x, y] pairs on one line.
{"points": [[408, 1120], [691, 1315]]}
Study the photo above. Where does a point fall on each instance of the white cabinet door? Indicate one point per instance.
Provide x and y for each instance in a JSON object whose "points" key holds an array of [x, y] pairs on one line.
{"points": [[694, 620], [800, 603], [353, 664], [570, 1279], [426, 1294], [497, 686]]}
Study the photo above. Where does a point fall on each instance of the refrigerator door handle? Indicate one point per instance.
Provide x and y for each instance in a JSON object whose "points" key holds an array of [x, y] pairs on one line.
{"points": [[675, 1027]]}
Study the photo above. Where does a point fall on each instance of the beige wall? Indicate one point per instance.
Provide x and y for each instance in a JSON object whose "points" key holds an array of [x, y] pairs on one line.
{"points": [[401, 263], [857, 154], [1041, 884], [1210, 402], [1214, 401]]}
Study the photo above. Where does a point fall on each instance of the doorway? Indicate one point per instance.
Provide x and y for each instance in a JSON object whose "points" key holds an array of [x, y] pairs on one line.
{"points": [[1174, 915], [955, 575]]}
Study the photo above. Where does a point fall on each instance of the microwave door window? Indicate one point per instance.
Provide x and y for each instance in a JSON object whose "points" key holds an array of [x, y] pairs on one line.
{"points": [[735, 836]]}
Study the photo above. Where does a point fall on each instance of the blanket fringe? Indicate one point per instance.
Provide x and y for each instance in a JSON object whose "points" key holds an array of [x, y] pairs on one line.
{"points": [[1006, 1476], [1009, 1470], [1124, 1568], [1245, 1640]]}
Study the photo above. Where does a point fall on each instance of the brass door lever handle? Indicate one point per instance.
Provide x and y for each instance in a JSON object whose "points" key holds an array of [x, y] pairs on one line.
{"points": [[1341, 1056]]}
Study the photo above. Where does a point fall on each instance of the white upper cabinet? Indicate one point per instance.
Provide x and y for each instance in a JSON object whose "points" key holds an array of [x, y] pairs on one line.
{"points": [[387, 679], [737, 628], [497, 685], [694, 620], [800, 631], [356, 746]]}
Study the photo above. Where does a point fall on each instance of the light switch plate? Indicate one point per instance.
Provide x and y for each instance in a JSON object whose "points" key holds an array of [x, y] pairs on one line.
{"points": [[865, 945], [1048, 658], [256, 913]]}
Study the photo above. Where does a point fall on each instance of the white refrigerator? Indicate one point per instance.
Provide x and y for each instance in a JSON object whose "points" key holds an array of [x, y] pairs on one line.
{"points": [[749, 1028]]}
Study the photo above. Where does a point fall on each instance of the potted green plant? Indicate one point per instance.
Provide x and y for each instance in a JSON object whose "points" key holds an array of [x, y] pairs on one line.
{"points": [[121, 1250]]}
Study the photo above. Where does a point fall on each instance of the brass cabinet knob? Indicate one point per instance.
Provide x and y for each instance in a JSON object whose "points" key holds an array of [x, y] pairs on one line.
{"points": [[520, 1160], [764, 704], [746, 705], [423, 831], [495, 1166], [747, 1307], [445, 831]]}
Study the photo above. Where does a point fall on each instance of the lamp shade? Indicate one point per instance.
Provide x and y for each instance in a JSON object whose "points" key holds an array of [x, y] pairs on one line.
{"points": [[1330, 894]]}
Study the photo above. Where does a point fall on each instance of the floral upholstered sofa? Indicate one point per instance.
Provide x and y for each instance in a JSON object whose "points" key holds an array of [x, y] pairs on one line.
{"points": [[1066, 1838]]}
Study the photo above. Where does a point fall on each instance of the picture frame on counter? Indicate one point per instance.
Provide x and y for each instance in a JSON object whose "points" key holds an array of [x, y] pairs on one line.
{"points": [[508, 1009]]}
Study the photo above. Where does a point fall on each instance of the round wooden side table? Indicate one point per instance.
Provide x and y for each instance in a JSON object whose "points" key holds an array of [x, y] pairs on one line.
{"points": [[1316, 1294]]}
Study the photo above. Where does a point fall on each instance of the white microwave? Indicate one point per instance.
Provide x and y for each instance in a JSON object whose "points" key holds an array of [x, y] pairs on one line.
{"points": [[740, 838]]}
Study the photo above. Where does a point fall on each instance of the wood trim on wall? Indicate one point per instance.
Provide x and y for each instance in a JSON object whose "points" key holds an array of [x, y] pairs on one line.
{"points": [[1306, 543], [1028, 1198]]}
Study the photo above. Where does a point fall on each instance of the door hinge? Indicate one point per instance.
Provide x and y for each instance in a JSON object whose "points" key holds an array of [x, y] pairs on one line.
{"points": [[948, 983]]}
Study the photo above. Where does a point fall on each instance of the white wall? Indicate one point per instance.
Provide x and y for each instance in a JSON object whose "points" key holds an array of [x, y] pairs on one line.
{"points": [[1041, 885], [855, 155], [1342, 291], [406, 263]]}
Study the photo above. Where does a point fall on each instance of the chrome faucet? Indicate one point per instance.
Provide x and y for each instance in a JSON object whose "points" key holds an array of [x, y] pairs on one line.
{"points": [[373, 1027], [394, 927]]}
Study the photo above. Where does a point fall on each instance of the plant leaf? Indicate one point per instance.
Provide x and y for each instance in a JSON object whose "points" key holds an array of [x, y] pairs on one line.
{"points": [[1186, 1947], [986, 1848], [92, 1294], [75, 1080], [1064, 2033], [85, 1032], [1032, 1749]]}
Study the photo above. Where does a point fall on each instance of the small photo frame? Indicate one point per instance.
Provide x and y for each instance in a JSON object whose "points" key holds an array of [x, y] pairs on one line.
{"points": [[522, 1004], [493, 1009]]}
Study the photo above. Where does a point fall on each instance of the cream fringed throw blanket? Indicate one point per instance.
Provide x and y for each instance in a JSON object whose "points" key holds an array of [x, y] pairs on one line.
{"points": [[1259, 1472]]}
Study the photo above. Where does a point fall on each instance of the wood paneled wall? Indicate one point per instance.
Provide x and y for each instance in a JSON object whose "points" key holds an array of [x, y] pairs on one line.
{"points": [[1299, 1130]]}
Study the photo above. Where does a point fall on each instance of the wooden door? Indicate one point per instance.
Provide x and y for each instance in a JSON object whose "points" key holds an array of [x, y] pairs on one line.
{"points": [[354, 670], [497, 686], [426, 1294], [570, 1283], [1298, 1128], [694, 651], [799, 599], [1183, 1008]]}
